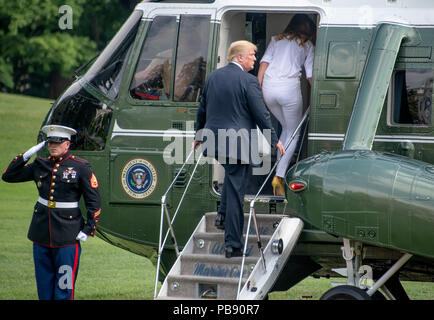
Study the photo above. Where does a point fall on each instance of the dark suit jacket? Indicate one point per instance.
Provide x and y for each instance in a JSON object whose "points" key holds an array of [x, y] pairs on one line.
{"points": [[232, 99]]}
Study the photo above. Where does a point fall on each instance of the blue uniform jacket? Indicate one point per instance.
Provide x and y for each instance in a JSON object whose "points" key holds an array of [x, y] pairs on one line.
{"points": [[63, 179]]}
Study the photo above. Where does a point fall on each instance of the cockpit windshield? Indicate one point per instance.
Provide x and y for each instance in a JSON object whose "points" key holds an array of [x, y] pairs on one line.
{"points": [[107, 71]]}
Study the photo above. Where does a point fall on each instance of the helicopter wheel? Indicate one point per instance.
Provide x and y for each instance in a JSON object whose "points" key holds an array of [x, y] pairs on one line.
{"points": [[346, 292]]}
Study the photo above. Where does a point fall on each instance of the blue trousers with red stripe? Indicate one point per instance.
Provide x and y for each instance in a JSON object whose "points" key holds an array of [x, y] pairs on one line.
{"points": [[56, 271]]}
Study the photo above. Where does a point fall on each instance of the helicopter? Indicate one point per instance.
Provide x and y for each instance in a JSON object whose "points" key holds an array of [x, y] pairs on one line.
{"points": [[361, 179]]}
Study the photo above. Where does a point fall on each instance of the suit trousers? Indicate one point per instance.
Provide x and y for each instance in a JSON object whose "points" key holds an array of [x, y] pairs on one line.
{"points": [[285, 102], [232, 203], [56, 271]]}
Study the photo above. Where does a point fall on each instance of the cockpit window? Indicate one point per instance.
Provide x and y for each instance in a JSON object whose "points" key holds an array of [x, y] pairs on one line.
{"points": [[107, 71], [153, 79], [412, 97], [191, 57], [153, 74], [78, 109]]}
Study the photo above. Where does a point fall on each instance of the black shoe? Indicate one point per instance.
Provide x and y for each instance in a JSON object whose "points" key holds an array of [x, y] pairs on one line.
{"points": [[220, 221], [231, 252]]}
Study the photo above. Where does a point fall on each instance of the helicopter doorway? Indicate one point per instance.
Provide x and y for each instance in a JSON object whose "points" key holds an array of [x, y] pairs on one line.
{"points": [[258, 28]]}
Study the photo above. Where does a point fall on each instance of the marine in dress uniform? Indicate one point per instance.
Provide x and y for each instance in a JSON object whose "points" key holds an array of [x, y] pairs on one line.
{"points": [[57, 224]]}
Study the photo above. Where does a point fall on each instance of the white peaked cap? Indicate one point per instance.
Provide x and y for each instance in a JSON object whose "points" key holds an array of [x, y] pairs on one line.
{"points": [[58, 132]]}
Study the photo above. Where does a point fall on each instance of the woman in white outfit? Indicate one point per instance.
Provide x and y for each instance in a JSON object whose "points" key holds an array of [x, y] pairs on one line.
{"points": [[279, 75]]}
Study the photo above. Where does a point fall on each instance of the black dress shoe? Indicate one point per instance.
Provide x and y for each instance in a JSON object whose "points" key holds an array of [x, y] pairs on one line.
{"points": [[220, 221], [231, 252]]}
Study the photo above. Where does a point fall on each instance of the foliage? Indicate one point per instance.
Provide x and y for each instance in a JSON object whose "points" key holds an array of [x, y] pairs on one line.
{"points": [[36, 52]]}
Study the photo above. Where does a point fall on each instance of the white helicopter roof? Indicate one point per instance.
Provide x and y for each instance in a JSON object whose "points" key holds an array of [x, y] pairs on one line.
{"points": [[362, 13]]}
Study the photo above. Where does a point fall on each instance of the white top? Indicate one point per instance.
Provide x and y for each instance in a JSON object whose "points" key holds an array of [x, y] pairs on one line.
{"points": [[286, 58]]}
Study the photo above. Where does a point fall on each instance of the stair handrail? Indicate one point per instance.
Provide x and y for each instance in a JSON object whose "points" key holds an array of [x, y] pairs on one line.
{"points": [[165, 212], [252, 208]]}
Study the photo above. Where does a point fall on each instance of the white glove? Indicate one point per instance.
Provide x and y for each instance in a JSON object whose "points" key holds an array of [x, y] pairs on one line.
{"points": [[81, 236], [29, 153]]}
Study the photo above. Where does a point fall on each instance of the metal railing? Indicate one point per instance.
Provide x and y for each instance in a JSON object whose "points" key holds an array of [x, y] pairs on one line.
{"points": [[252, 212], [165, 212], [170, 221]]}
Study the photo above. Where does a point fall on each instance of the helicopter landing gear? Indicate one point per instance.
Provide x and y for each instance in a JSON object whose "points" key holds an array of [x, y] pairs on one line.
{"points": [[360, 284], [345, 292], [380, 283]]}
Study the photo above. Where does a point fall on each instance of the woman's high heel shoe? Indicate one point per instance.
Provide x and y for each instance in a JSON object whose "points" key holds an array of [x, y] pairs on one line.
{"points": [[278, 187]]}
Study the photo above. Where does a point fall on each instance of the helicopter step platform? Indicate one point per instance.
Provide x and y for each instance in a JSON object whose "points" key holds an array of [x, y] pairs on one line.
{"points": [[203, 272]]}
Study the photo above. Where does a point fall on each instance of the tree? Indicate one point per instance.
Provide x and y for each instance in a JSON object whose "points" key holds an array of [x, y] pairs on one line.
{"points": [[38, 55]]}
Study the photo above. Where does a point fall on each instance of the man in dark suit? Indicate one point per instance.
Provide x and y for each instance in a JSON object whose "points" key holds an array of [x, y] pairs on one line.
{"points": [[231, 107]]}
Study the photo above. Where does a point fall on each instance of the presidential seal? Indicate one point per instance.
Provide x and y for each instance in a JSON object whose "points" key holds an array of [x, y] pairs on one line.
{"points": [[139, 178]]}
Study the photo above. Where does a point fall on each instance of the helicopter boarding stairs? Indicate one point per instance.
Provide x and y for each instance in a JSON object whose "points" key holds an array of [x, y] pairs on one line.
{"points": [[201, 270]]}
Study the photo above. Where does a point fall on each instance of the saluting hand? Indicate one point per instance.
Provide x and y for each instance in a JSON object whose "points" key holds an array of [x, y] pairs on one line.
{"points": [[29, 153]]}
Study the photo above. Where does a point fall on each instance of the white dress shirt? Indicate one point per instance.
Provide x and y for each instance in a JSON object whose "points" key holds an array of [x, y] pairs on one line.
{"points": [[236, 63]]}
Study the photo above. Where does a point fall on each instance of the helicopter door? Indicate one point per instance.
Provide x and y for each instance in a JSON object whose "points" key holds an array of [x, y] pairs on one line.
{"points": [[258, 28]]}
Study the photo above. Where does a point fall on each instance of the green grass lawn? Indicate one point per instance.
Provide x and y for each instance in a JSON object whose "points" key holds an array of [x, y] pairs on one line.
{"points": [[106, 272]]}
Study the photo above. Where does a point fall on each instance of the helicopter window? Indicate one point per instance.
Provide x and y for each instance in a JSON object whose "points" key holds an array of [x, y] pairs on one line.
{"points": [[191, 57], [154, 69], [412, 96], [107, 71], [80, 110]]}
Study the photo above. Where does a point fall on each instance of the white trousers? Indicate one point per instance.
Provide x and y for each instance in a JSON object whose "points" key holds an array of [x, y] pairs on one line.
{"points": [[285, 102]]}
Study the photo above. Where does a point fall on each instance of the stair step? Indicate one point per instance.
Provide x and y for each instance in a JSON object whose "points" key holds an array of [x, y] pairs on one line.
{"points": [[203, 272], [215, 265], [213, 243], [266, 223], [191, 287]]}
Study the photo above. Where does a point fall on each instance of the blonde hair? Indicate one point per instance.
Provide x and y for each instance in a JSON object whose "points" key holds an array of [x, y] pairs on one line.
{"points": [[239, 47]]}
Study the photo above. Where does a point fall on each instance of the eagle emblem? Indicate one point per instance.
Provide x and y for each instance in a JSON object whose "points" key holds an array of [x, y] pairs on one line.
{"points": [[139, 178]]}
